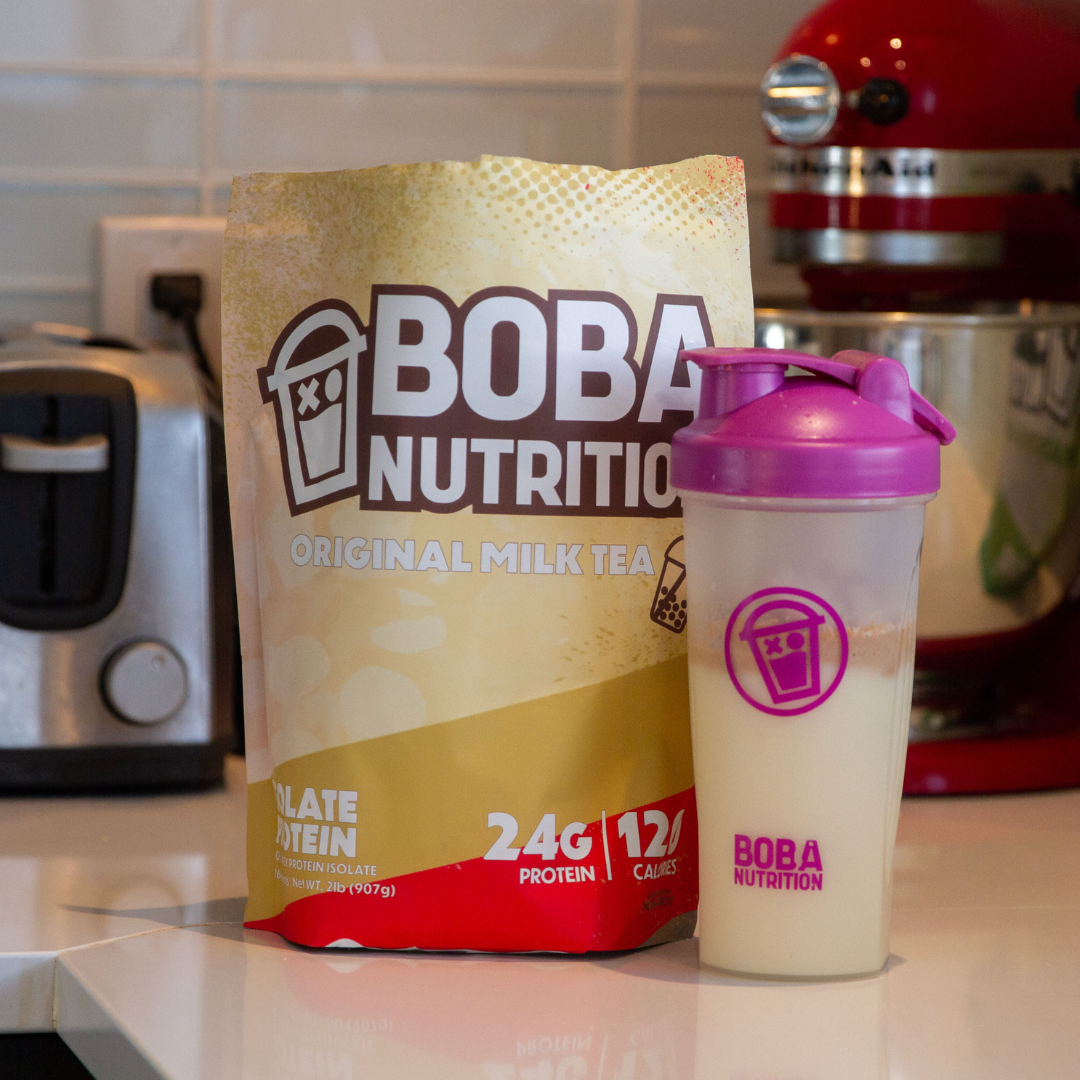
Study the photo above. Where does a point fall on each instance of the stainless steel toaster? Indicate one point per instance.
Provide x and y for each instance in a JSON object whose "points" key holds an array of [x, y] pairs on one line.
{"points": [[117, 603]]}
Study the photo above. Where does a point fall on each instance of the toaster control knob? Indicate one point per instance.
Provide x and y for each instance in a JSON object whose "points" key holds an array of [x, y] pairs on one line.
{"points": [[144, 682]]}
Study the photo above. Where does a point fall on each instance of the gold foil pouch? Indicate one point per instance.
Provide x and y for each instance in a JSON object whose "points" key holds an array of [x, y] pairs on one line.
{"points": [[450, 391]]}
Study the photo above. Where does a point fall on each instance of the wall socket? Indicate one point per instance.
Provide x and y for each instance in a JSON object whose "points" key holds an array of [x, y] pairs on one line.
{"points": [[131, 250]]}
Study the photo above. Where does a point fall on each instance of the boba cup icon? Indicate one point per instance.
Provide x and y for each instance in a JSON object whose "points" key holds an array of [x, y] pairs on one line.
{"points": [[787, 653], [669, 601], [311, 378]]}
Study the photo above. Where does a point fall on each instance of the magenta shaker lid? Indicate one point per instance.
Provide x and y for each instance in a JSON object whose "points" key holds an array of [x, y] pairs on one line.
{"points": [[853, 429]]}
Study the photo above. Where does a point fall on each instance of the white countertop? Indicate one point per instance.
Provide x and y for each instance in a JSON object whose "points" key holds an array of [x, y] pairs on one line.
{"points": [[123, 915], [78, 871]]}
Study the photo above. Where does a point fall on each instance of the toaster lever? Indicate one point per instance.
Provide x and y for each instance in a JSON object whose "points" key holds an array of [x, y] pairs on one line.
{"points": [[86, 454], [68, 442]]}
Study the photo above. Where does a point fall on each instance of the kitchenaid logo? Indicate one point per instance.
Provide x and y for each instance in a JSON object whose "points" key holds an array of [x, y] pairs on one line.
{"points": [[510, 403], [924, 172], [866, 165]]}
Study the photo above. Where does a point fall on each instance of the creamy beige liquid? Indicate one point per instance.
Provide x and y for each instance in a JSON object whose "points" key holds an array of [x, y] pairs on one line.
{"points": [[833, 776]]}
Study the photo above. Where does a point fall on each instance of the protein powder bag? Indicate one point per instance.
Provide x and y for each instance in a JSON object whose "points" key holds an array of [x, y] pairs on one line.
{"points": [[450, 391]]}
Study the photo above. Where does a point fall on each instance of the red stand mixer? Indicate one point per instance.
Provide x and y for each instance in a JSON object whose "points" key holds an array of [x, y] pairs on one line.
{"points": [[926, 179]]}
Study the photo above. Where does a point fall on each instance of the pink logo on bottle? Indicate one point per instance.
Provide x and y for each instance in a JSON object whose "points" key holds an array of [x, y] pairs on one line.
{"points": [[786, 650]]}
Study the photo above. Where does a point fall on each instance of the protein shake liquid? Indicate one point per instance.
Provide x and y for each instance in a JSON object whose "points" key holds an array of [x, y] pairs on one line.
{"points": [[803, 504]]}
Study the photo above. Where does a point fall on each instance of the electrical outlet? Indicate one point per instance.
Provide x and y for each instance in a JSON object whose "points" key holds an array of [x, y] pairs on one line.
{"points": [[131, 251]]}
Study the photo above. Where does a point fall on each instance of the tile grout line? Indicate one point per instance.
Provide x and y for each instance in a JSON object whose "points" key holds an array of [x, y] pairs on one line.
{"points": [[628, 102], [16, 175], [427, 75], [209, 96]]}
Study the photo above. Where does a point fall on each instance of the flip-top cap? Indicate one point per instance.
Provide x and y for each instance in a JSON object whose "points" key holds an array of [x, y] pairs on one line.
{"points": [[851, 429]]}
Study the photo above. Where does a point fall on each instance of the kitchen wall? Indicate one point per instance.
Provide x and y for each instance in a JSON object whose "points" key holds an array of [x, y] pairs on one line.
{"points": [[150, 106]]}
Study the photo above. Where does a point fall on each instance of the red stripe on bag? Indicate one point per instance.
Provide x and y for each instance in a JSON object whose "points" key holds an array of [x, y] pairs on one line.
{"points": [[524, 904]]}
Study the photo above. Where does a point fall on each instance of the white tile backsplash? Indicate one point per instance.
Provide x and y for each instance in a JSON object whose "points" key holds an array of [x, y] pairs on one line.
{"points": [[219, 199], [90, 30], [721, 38], [677, 124], [464, 33], [79, 122], [274, 127], [149, 106], [772, 281], [47, 231], [75, 308]]}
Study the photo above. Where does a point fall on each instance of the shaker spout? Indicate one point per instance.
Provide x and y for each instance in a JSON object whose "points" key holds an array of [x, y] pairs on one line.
{"points": [[728, 384]]}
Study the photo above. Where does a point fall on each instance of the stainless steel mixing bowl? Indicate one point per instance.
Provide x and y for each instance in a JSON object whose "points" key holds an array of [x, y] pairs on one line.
{"points": [[1001, 555]]}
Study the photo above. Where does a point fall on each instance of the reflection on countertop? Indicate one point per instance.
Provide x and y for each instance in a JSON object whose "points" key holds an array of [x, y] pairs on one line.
{"points": [[968, 995], [80, 870]]}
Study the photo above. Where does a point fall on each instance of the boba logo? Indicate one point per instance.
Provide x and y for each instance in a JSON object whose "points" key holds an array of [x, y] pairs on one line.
{"points": [[771, 864], [312, 379], [511, 403], [786, 650]]}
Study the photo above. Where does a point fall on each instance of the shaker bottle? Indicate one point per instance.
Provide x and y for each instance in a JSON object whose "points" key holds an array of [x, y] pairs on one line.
{"points": [[803, 501]]}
